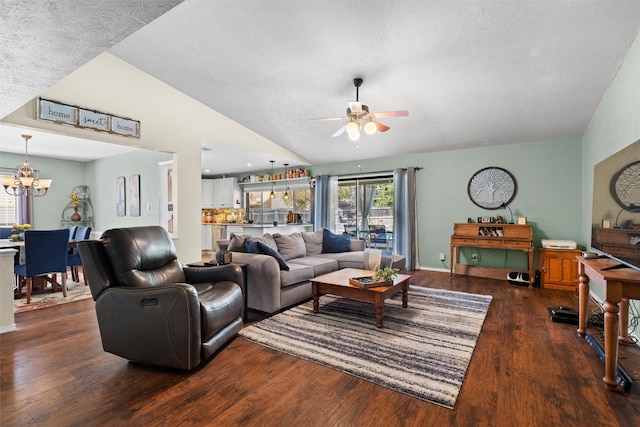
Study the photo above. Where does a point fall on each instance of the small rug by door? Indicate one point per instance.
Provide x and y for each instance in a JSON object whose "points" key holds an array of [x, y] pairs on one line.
{"points": [[75, 292], [423, 350]]}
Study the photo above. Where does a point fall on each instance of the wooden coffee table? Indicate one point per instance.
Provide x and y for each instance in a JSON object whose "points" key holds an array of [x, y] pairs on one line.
{"points": [[337, 283]]}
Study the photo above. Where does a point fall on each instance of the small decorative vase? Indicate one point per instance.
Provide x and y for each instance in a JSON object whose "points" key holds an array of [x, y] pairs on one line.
{"points": [[76, 216]]}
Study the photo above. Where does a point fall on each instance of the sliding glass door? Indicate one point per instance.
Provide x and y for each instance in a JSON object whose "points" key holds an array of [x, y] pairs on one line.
{"points": [[365, 209]]}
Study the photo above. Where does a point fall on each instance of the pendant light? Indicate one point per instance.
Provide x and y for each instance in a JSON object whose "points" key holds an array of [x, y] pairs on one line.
{"points": [[286, 182], [273, 183]]}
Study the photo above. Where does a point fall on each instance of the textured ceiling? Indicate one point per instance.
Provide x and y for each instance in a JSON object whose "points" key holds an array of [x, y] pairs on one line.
{"points": [[470, 73], [43, 41]]}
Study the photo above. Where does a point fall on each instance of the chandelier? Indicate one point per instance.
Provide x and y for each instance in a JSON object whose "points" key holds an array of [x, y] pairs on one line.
{"points": [[25, 178]]}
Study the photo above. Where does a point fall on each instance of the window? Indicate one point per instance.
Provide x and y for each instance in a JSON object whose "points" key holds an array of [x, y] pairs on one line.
{"points": [[8, 208], [365, 202]]}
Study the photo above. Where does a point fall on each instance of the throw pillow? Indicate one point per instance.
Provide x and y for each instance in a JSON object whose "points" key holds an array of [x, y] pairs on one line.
{"points": [[290, 246], [267, 239], [332, 243], [257, 247], [313, 241], [237, 243]]}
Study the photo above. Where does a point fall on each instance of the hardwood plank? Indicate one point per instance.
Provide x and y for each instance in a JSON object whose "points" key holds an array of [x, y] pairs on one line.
{"points": [[525, 370]]}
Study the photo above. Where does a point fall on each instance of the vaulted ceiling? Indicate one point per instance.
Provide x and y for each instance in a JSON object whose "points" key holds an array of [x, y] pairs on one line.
{"points": [[470, 73]]}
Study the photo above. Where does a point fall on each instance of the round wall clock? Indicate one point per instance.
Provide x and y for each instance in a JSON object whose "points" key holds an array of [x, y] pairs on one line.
{"points": [[491, 187], [625, 187]]}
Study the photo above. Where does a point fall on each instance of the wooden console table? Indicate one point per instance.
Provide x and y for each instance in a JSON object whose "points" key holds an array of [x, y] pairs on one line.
{"points": [[491, 236], [619, 285]]}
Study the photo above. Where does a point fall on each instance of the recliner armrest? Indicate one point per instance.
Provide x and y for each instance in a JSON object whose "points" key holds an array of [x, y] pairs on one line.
{"points": [[213, 274]]}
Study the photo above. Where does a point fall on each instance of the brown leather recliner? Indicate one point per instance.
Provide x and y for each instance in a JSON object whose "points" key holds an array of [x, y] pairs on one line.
{"points": [[153, 311]]}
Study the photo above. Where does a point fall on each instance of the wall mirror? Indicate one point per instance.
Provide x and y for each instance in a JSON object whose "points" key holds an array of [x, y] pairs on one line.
{"points": [[616, 205]]}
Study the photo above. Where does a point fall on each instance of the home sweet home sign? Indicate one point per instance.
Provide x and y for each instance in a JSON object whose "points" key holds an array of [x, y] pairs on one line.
{"points": [[84, 118]]}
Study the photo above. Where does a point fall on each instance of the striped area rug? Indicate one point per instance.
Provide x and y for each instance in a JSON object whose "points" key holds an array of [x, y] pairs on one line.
{"points": [[423, 350]]}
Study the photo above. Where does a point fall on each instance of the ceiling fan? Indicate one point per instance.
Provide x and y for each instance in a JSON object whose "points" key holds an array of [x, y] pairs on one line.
{"points": [[358, 117]]}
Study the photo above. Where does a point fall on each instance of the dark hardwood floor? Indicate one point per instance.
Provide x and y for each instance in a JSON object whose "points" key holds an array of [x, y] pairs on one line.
{"points": [[525, 371]]}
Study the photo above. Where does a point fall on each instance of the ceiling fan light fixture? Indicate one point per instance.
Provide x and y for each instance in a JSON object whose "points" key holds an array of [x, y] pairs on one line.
{"points": [[352, 127], [354, 136], [370, 128]]}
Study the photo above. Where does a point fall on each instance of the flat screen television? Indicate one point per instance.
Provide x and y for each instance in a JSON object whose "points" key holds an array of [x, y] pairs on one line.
{"points": [[616, 206]]}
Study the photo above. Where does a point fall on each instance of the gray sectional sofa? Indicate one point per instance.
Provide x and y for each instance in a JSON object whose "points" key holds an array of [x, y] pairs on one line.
{"points": [[281, 267]]}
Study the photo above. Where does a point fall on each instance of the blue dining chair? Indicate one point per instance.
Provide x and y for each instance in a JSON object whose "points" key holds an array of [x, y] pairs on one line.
{"points": [[5, 232], [45, 253], [73, 259], [72, 233]]}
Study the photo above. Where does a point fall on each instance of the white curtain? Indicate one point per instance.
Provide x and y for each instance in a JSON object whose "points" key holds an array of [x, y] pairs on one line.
{"points": [[325, 202], [405, 225]]}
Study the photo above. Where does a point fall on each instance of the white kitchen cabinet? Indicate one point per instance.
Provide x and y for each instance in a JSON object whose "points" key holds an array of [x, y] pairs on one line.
{"points": [[207, 193], [207, 237], [226, 192]]}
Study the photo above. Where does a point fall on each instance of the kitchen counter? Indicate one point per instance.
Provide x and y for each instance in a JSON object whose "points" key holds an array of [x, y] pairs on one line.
{"points": [[227, 228]]}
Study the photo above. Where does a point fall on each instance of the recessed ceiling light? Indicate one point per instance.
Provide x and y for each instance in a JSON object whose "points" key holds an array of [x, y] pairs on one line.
{"points": [[207, 170], [249, 165]]}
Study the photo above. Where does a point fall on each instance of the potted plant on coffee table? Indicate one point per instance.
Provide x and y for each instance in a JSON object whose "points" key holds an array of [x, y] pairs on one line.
{"points": [[387, 274]]}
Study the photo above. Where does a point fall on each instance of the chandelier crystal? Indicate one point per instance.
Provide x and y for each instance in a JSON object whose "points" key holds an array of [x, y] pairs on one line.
{"points": [[25, 178]]}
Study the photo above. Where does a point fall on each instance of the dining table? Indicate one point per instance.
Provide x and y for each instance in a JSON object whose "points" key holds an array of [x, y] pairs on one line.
{"points": [[40, 282]]}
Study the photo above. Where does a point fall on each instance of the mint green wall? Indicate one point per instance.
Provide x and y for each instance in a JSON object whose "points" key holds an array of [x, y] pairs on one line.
{"points": [[548, 179], [101, 179], [100, 176], [66, 174], [614, 126]]}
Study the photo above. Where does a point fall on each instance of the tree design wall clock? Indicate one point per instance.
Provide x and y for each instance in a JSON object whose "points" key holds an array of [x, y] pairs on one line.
{"points": [[491, 187], [625, 187]]}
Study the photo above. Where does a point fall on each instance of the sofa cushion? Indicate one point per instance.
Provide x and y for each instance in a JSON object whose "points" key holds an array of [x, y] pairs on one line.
{"points": [[257, 247], [290, 246], [313, 242], [354, 259], [321, 265], [296, 273], [237, 241], [333, 243]]}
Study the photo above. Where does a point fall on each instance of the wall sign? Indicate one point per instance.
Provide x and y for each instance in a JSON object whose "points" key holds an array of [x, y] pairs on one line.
{"points": [[93, 120], [88, 119], [57, 112]]}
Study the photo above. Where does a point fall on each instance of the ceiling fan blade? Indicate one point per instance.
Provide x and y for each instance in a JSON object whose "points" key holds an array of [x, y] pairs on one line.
{"points": [[328, 118], [339, 131], [355, 107], [380, 126], [401, 113]]}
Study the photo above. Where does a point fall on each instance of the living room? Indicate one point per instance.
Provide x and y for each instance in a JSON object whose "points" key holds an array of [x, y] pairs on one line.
{"points": [[554, 176]]}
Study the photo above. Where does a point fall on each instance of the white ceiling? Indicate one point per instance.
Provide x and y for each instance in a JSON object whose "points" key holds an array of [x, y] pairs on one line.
{"points": [[470, 73]]}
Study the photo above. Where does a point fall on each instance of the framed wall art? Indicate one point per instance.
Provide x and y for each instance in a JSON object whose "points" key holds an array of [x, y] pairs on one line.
{"points": [[121, 196], [134, 195], [625, 186], [491, 187]]}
